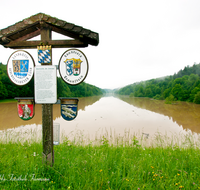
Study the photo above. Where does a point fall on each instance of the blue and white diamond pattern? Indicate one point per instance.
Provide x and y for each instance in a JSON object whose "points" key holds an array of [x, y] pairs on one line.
{"points": [[44, 56]]}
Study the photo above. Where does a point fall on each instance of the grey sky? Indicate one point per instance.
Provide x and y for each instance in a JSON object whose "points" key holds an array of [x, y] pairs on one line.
{"points": [[139, 40]]}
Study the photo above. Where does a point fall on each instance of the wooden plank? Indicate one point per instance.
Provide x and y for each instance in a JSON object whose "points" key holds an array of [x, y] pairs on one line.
{"points": [[28, 36], [21, 32], [67, 33], [45, 31], [53, 43]]}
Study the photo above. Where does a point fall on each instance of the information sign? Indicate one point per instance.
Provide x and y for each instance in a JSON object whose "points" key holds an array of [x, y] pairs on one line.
{"points": [[45, 84], [73, 66], [20, 67]]}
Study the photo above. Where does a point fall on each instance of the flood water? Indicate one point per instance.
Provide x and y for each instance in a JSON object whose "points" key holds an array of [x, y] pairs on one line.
{"points": [[116, 116]]}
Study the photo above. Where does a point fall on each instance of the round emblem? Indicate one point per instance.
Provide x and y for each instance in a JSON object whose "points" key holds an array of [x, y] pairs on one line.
{"points": [[20, 67], [73, 66]]}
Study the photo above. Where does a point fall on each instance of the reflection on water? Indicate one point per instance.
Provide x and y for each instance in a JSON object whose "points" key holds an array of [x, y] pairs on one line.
{"points": [[184, 114], [121, 116], [9, 117]]}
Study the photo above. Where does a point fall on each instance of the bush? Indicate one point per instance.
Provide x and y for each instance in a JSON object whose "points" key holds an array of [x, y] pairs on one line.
{"points": [[169, 99], [158, 97]]}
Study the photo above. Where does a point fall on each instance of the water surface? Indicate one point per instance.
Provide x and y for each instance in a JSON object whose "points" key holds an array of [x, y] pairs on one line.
{"points": [[116, 116]]}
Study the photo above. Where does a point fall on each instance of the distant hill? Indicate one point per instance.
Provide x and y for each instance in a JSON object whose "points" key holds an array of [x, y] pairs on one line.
{"points": [[183, 85]]}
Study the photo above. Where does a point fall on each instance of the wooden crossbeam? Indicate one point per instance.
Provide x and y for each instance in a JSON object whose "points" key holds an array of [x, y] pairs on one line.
{"points": [[53, 43]]}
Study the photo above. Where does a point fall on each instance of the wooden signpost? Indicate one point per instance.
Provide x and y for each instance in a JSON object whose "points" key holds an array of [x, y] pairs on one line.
{"points": [[17, 37]]}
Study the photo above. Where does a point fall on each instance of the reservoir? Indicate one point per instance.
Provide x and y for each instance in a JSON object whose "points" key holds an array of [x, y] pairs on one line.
{"points": [[114, 118]]}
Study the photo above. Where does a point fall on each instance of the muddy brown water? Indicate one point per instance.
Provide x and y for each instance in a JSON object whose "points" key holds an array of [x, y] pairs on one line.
{"points": [[118, 115]]}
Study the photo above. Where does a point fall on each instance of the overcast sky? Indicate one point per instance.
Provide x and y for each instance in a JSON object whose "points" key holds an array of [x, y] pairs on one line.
{"points": [[139, 39]]}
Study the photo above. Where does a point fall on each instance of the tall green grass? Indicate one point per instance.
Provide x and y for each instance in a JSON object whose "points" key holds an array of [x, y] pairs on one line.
{"points": [[102, 164]]}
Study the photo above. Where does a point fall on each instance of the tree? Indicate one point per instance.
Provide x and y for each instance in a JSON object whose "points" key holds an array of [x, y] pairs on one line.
{"points": [[177, 92], [127, 91], [178, 81], [193, 93], [166, 92], [3, 91], [192, 79], [197, 98], [148, 92]]}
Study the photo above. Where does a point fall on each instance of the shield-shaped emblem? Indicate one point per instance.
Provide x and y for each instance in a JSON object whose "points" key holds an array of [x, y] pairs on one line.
{"points": [[44, 54], [25, 108], [69, 108], [20, 68], [73, 66]]}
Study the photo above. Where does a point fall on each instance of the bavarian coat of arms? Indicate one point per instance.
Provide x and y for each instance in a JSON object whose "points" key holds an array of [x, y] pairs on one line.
{"points": [[44, 54]]}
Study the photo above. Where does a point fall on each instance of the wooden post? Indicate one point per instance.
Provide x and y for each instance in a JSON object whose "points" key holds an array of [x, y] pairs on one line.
{"points": [[47, 112], [47, 131]]}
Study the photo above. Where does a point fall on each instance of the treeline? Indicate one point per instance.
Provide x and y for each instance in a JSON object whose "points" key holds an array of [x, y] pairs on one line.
{"points": [[81, 90], [182, 86], [8, 90]]}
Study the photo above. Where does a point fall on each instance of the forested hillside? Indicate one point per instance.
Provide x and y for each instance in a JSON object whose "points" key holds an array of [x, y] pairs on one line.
{"points": [[183, 86], [9, 90]]}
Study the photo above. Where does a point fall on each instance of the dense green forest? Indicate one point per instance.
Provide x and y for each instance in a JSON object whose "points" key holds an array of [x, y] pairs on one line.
{"points": [[8, 90], [182, 86]]}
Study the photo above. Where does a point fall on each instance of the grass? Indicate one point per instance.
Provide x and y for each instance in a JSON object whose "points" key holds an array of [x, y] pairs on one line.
{"points": [[8, 100], [102, 165]]}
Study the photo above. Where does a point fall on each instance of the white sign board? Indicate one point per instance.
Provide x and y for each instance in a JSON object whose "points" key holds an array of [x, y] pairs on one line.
{"points": [[20, 67], [73, 66], [45, 84]]}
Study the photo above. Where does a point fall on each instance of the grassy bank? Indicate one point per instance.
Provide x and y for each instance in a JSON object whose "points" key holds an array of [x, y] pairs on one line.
{"points": [[8, 100], [104, 166]]}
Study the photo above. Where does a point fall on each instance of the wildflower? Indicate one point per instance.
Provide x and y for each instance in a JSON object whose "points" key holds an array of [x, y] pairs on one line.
{"points": [[127, 180], [34, 154], [178, 174], [100, 170], [180, 187], [176, 184], [152, 172], [152, 167], [153, 179]]}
